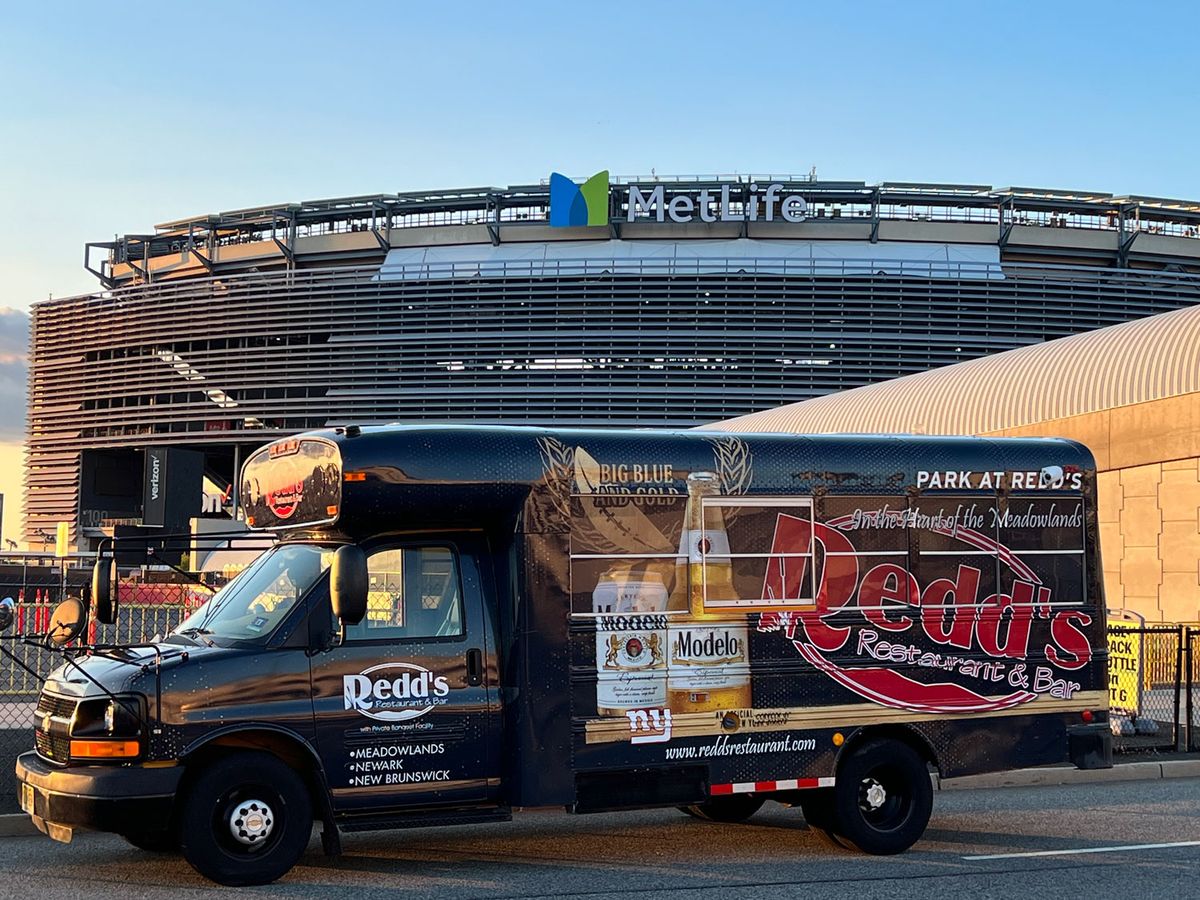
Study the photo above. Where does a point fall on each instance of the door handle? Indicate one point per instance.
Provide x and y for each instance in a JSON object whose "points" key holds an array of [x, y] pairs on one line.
{"points": [[474, 667]]}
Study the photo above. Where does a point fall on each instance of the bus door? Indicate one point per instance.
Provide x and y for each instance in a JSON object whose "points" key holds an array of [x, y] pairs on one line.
{"points": [[407, 707]]}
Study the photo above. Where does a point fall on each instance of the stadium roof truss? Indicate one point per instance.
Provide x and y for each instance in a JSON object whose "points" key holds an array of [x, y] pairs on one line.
{"points": [[501, 209]]}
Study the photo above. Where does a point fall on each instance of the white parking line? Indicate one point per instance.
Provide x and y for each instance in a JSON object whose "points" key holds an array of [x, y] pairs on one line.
{"points": [[1087, 850]]}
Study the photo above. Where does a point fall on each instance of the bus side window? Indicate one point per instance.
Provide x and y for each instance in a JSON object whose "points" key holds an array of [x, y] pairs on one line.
{"points": [[412, 592]]}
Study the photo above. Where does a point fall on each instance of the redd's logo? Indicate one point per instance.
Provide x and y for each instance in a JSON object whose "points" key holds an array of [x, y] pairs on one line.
{"points": [[283, 501], [947, 611]]}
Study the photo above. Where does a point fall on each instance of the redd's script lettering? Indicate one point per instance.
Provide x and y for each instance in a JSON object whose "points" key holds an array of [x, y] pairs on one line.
{"points": [[953, 625]]}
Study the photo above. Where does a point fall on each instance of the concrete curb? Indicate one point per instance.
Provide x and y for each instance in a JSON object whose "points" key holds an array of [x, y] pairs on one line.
{"points": [[1135, 771], [16, 825]]}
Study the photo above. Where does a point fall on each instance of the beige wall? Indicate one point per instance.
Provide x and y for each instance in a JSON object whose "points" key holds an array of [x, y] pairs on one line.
{"points": [[12, 472], [1148, 455]]}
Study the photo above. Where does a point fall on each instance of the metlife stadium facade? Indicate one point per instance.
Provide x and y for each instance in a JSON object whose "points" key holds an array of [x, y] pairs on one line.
{"points": [[657, 302]]}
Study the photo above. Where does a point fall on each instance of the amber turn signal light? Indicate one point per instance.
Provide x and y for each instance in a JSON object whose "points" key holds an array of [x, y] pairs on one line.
{"points": [[104, 749]]}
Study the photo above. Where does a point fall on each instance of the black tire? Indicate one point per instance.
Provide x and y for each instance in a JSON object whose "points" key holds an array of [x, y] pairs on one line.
{"points": [[817, 806], [734, 808], [257, 795], [882, 798], [165, 841]]}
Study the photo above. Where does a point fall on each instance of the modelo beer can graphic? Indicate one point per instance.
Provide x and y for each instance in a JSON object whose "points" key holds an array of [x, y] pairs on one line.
{"points": [[631, 642], [708, 667]]}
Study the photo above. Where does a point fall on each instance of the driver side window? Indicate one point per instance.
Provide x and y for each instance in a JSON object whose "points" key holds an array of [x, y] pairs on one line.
{"points": [[412, 593]]}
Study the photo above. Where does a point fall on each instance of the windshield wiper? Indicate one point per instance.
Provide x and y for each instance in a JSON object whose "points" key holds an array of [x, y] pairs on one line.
{"points": [[201, 633]]}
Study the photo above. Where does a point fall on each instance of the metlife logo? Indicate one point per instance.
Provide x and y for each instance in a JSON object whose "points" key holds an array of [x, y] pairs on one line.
{"points": [[574, 204], [587, 204], [761, 205]]}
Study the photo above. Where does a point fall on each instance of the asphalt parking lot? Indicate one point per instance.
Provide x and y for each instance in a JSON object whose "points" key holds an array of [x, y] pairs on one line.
{"points": [[1010, 842]]}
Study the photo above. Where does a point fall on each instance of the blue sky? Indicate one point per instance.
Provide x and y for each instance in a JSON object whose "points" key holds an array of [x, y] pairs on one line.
{"points": [[116, 122]]}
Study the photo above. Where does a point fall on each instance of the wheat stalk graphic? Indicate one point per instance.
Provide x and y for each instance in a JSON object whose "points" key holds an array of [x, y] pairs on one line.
{"points": [[734, 462], [558, 462], [734, 469]]}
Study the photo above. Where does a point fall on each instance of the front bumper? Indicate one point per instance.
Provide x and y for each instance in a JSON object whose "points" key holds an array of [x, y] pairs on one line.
{"points": [[101, 798]]}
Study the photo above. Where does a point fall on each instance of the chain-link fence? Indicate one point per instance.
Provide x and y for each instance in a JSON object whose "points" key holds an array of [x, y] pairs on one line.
{"points": [[150, 603], [1154, 686], [1144, 686]]}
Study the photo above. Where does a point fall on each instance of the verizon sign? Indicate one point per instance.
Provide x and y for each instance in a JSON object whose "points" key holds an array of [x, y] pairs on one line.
{"points": [[767, 204]]}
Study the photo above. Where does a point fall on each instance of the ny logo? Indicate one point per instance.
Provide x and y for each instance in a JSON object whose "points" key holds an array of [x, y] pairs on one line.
{"points": [[649, 726]]}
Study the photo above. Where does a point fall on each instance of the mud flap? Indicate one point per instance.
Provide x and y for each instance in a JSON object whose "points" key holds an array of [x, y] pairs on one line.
{"points": [[1090, 746]]}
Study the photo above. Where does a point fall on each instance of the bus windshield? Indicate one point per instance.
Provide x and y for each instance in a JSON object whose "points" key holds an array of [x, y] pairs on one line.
{"points": [[251, 606]]}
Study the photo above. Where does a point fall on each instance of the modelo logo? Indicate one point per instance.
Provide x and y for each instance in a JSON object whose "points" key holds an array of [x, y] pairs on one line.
{"points": [[708, 647], [394, 692]]}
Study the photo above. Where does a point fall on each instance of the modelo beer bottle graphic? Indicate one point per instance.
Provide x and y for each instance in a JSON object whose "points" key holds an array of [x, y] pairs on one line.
{"points": [[631, 641], [708, 665]]}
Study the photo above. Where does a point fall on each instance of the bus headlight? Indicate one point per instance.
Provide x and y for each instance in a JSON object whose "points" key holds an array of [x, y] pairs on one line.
{"points": [[110, 717], [107, 729]]}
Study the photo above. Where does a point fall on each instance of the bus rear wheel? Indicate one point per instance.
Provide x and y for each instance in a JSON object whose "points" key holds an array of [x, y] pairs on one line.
{"points": [[882, 798], [817, 806]]}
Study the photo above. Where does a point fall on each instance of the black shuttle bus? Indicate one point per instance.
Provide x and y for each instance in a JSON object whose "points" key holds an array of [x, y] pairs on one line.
{"points": [[457, 622]]}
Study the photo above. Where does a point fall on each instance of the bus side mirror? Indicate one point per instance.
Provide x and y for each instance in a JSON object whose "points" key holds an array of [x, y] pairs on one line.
{"points": [[102, 597], [67, 621], [348, 584]]}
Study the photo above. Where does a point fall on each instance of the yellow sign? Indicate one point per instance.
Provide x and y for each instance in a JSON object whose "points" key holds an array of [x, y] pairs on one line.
{"points": [[1125, 661], [62, 540]]}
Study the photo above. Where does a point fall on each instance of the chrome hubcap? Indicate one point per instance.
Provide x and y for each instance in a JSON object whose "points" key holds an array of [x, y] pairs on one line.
{"points": [[875, 794], [251, 822]]}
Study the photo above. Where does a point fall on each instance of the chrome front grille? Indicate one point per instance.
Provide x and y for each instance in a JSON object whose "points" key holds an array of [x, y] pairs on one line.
{"points": [[52, 725], [60, 707], [54, 747]]}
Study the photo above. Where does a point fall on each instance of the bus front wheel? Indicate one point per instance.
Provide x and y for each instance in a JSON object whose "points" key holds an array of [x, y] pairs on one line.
{"points": [[246, 820]]}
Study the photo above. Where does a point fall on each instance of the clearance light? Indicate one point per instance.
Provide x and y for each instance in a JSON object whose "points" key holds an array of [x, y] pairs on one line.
{"points": [[249, 520], [838, 739], [104, 749], [356, 476], [331, 510], [1086, 715]]}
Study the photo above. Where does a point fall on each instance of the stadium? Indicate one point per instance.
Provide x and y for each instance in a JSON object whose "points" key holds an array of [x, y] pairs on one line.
{"points": [[605, 301]]}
